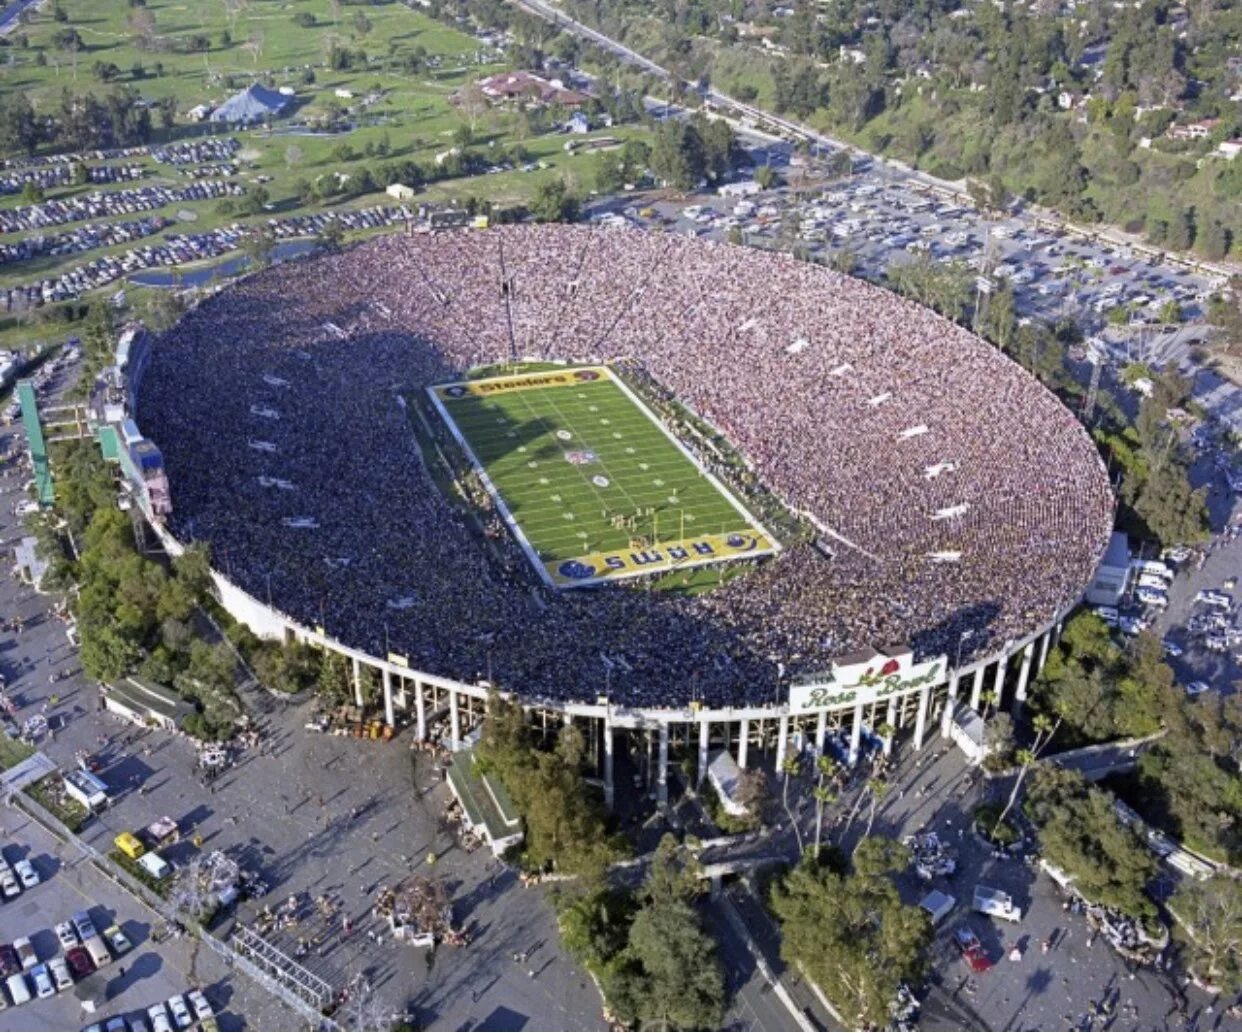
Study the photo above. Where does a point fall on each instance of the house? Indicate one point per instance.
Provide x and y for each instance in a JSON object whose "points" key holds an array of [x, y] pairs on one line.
{"points": [[1229, 149], [578, 123], [742, 188], [343, 93], [199, 112], [146, 703], [400, 192], [1200, 130], [526, 86]]}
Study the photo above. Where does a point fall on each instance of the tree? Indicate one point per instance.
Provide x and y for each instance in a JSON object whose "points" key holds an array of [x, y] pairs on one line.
{"points": [[668, 975], [677, 156], [20, 129], [789, 766], [1080, 833], [1210, 913], [765, 176], [473, 103], [552, 202], [850, 932]]}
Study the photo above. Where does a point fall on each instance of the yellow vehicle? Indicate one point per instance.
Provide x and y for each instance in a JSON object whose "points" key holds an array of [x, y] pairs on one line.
{"points": [[129, 845]]}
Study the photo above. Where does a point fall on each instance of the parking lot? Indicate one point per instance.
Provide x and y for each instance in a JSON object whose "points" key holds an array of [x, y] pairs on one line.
{"points": [[146, 974]]}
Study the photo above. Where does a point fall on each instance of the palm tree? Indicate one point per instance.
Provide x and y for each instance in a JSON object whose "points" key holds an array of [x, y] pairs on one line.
{"points": [[1045, 729], [877, 787], [789, 766], [824, 795]]}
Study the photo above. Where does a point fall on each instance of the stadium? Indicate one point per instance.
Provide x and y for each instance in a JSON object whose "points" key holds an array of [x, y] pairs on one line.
{"points": [[826, 507]]}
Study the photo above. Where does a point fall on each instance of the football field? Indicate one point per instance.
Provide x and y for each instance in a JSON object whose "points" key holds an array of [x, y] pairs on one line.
{"points": [[590, 483]]}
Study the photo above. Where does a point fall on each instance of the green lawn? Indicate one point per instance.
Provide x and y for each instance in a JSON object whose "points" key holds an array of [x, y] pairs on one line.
{"points": [[596, 488]]}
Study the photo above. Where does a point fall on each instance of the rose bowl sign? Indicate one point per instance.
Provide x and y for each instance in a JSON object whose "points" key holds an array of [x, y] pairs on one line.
{"points": [[878, 677]]}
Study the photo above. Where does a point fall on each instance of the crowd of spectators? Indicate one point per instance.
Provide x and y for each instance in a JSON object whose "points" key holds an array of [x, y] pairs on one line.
{"points": [[951, 493]]}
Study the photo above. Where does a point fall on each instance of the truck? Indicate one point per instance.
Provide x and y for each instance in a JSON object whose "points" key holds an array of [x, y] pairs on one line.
{"points": [[997, 903]]}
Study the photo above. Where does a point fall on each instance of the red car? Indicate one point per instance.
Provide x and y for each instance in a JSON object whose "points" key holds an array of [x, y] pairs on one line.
{"points": [[9, 961], [972, 950], [79, 962]]}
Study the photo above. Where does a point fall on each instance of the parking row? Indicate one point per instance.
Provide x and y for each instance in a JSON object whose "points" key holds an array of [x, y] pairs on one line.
{"points": [[99, 205], [180, 1011], [81, 238], [181, 249], [50, 176], [82, 951]]}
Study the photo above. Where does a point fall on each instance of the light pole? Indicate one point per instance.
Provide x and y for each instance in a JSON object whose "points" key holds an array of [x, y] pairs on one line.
{"points": [[968, 633]]}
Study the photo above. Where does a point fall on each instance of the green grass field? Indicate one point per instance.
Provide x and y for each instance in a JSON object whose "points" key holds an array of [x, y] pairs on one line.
{"points": [[593, 486]]}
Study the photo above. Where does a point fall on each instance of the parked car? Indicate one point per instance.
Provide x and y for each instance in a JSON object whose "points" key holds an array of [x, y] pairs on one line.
{"points": [[9, 961], [1197, 688], [42, 980], [180, 1013], [202, 1009], [26, 872], [1172, 649], [67, 937], [972, 950], [60, 974], [26, 952], [117, 940], [159, 1018], [79, 962], [9, 885], [83, 924]]}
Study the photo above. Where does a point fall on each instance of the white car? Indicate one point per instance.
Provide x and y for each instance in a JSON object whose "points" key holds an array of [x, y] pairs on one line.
{"points": [[1196, 688], [1172, 648], [67, 937], [202, 1008], [60, 974], [180, 1013], [26, 872], [8, 884], [158, 1015]]}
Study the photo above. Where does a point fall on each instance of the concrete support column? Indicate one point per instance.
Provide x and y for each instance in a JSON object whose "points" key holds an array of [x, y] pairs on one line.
{"points": [[782, 741], [1044, 640], [389, 716], [357, 682], [998, 685], [976, 688], [950, 704], [662, 776], [1024, 672], [743, 742], [608, 786], [454, 718], [705, 731], [890, 719], [855, 735], [920, 717], [821, 733], [420, 711]]}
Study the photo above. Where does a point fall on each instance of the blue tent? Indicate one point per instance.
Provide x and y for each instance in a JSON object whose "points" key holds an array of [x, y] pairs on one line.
{"points": [[254, 104]]}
